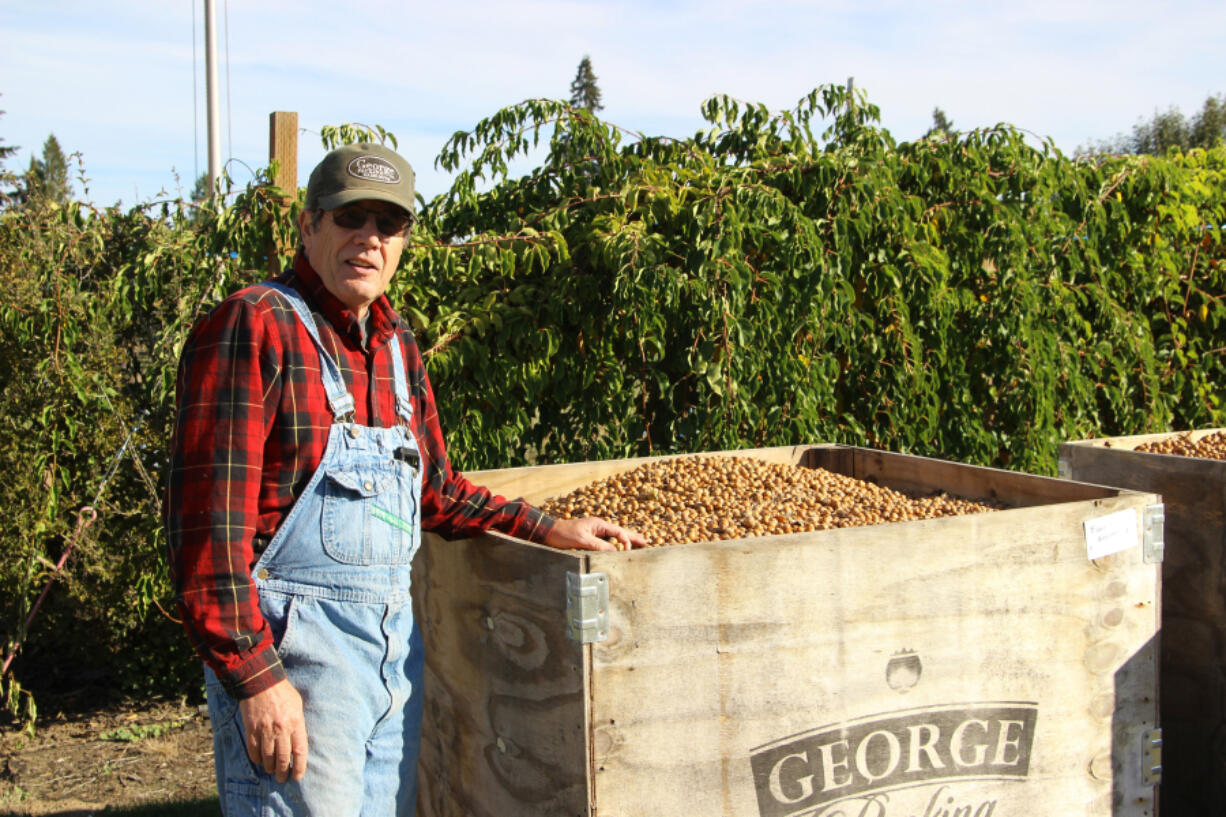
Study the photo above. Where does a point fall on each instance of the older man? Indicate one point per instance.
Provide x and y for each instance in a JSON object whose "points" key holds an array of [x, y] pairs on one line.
{"points": [[307, 459]]}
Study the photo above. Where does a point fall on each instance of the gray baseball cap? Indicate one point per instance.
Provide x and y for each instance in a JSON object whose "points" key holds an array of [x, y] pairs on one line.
{"points": [[359, 172]]}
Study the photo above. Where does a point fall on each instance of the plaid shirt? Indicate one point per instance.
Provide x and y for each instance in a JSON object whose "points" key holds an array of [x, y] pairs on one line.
{"points": [[251, 429]]}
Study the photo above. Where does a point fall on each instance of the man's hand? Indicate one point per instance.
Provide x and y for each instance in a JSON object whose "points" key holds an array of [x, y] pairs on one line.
{"points": [[276, 730], [591, 533]]}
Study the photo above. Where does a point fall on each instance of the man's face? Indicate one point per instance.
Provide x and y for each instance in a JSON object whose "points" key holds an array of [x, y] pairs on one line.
{"points": [[353, 257]]}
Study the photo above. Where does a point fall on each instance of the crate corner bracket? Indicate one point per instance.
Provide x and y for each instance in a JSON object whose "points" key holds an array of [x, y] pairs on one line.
{"points": [[1153, 542], [1151, 757], [587, 606]]}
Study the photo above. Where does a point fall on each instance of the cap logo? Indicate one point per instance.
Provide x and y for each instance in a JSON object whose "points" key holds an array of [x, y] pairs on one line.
{"points": [[374, 169]]}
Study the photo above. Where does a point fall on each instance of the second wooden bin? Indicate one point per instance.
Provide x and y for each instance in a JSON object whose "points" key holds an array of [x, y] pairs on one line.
{"points": [[1193, 654]]}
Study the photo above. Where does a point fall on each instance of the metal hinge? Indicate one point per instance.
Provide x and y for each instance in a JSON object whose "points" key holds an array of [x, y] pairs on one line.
{"points": [[1151, 757], [1153, 542], [587, 606]]}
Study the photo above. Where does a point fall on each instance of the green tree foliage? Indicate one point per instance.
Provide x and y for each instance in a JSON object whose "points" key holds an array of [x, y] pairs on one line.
{"points": [[1170, 130], [779, 277], [1209, 126], [7, 178], [584, 92], [47, 177], [759, 283], [97, 304], [941, 125], [200, 190]]}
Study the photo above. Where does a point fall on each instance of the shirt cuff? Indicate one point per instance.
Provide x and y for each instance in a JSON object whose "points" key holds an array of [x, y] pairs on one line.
{"points": [[540, 523], [254, 675]]}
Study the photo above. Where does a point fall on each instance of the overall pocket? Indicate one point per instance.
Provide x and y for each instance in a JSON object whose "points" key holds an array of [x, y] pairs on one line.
{"points": [[370, 514]]}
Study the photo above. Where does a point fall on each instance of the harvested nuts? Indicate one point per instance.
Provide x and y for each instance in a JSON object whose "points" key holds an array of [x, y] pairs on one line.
{"points": [[1212, 446], [705, 498]]}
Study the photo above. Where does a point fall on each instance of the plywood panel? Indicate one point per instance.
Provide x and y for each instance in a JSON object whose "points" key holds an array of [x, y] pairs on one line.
{"points": [[717, 651], [1193, 650], [505, 727]]}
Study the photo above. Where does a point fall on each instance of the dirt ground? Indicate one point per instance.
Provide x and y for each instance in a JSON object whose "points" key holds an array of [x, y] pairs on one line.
{"points": [[77, 765]]}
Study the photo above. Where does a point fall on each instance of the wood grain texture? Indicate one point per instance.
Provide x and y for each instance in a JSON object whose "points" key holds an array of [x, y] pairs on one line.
{"points": [[505, 726], [720, 654], [1193, 649]]}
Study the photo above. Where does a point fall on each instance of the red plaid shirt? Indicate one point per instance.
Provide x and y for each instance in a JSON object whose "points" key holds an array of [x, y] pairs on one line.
{"points": [[251, 429]]}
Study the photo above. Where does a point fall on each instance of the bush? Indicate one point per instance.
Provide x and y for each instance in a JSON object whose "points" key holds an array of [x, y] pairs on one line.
{"points": [[972, 297]]}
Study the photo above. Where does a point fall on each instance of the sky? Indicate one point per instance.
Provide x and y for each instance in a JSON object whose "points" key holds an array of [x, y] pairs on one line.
{"points": [[123, 84]]}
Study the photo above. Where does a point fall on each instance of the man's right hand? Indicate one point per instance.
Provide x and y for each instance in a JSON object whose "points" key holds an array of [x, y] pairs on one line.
{"points": [[276, 730]]}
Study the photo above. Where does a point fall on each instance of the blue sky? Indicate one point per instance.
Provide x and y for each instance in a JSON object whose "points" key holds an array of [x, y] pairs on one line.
{"points": [[115, 81]]}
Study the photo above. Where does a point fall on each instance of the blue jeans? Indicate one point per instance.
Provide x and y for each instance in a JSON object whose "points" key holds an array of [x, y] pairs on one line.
{"points": [[362, 731]]}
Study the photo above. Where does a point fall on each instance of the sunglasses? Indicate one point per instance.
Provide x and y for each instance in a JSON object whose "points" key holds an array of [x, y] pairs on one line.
{"points": [[389, 223]]}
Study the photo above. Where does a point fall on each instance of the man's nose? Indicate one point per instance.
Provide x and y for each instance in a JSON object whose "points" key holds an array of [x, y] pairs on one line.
{"points": [[368, 233]]}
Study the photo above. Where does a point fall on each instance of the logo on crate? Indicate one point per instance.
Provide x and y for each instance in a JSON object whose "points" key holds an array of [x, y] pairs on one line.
{"points": [[904, 670], [930, 759]]}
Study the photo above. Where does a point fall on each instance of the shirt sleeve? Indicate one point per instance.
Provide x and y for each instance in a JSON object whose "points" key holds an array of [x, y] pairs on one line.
{"points": [[228, 382], [452, 506]]}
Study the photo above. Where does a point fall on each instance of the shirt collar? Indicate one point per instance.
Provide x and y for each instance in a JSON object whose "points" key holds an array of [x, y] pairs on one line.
{"points": [[383, 319]]}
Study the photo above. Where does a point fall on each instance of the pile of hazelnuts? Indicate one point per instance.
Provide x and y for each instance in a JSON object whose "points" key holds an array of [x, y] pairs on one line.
{"points": [[1211, 446], [707, 498]]}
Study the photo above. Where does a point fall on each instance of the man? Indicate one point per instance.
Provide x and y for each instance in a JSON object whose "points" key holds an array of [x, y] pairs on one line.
{"points": [[307, 459]]}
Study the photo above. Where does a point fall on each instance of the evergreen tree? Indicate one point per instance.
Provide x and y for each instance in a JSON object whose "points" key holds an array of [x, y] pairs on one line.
{"points": [[1170, 129], [5, 150], [7, 178], [584, 92], [941, 126], [48, 176], [201, 191], [1209, 126]]}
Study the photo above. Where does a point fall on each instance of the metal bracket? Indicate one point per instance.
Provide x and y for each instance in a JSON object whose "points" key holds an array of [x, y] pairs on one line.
{"points": [[1153, 542], [1151, 757], [1063, 469], [587, 606]]}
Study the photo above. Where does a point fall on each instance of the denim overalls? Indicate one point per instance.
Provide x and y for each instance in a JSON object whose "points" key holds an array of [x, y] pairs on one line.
{"points": [[334, 587]]}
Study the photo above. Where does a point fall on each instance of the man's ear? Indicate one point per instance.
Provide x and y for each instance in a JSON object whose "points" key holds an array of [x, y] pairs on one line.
{"points": [[306, 223]]}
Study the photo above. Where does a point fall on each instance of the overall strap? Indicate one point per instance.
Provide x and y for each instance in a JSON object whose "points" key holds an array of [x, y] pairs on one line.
{"points": [[340, 401], [404, 407]]}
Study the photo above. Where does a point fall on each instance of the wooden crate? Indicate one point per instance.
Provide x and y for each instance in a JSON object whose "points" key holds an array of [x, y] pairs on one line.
{"points": [[959, 667], [1193, 652]]}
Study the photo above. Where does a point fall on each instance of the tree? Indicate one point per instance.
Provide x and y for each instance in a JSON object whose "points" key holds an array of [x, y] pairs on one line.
{"points": [[5, 150], [941, 126], [201, 191], [47, 177], [584, 92], [1209, 126], [7, 178], [1169, 129]]}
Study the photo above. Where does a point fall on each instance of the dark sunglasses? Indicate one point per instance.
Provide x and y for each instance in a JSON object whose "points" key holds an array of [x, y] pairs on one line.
{"points": [[389, 223]]}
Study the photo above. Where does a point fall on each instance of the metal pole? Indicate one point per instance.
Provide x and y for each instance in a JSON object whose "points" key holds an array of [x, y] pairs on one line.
{"points": [[214, 106]]}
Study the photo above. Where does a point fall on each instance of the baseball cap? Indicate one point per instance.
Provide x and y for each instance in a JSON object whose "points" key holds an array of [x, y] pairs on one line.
{"points": [[357, 172]]}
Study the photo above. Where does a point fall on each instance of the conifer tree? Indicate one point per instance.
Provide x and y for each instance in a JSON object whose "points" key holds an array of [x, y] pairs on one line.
{"points": [[48, 177], [1170, 129], [584, 92], [7, 178], [941, 125]]}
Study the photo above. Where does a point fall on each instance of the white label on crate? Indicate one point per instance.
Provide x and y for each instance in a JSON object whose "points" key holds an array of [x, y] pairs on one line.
{"points": [[1111, 533]]}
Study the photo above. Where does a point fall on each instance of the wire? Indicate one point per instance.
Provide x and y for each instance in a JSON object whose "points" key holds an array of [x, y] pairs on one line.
{"points": [[195, 106], [229, 113]]}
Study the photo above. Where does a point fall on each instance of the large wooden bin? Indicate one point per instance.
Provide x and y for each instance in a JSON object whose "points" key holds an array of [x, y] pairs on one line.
{"points": [[1193, 653], [958, 667]]}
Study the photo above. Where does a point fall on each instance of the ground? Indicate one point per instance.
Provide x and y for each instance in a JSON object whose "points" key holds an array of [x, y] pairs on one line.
{"points": [[79, 764]]}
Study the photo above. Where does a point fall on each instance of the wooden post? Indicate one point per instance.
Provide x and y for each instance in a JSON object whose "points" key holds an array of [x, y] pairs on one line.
{"points": [[283, 149]]}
